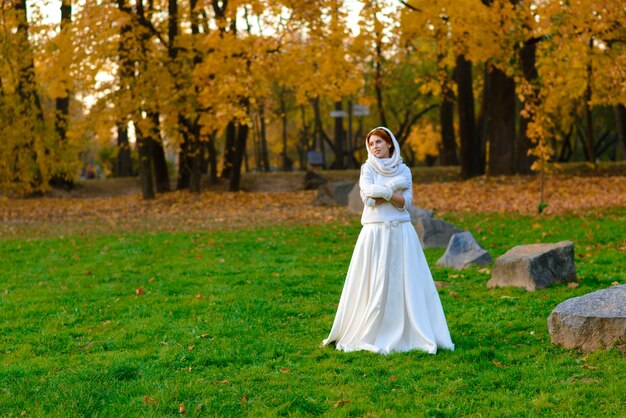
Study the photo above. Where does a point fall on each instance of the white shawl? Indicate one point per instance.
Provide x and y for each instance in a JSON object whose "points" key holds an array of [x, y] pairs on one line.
{"points": [[385, 166]]}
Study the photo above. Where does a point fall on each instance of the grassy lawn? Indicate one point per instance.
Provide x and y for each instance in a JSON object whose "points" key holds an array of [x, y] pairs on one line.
{"points": [[230, 323]]}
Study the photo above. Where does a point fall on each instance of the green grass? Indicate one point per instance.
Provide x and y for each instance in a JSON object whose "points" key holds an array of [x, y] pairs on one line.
{"points": [[230, 323]]}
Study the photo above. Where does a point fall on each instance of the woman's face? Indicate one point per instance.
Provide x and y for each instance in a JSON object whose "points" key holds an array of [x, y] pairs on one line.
{"points": [[379, 147]]}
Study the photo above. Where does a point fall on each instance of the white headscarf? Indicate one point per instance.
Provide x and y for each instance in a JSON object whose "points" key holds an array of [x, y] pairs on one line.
{"points": [[385, 166]]}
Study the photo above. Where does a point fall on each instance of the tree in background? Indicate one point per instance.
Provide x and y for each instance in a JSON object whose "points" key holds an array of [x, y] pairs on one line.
{"points": [[489, 85]]}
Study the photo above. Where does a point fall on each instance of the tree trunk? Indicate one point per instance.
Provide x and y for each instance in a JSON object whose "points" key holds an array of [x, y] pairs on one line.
{"points": [[283, 110], [304, 139], [501, 124], [620, 123], [263, 141], [482, 118], [229, 150], [196, 158], [124, 162], [589, 135], [339, 134], [529, 69], [145, 169], [240, 149], [378, 81], [25, 154], [212, 159], [161, 174], [126, 70], [446, 117], [26, 86], [318, 131], [63, 103], [470, 146], [145, 163]]}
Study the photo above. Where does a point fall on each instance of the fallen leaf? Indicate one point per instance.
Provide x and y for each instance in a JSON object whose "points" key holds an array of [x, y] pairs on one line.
{"points": [[191, 347], [152, 279], [498, 364], [341, 403], [148, 399], [88, 346], [454, 294], [199, 296], [181, 408], [439, 285], [585, 380], [284, 370], [572, 285], [393, 378], [139, 291]]}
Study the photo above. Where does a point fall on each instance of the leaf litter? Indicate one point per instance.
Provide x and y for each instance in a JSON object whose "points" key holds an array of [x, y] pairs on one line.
{"points": [[183, 211]]}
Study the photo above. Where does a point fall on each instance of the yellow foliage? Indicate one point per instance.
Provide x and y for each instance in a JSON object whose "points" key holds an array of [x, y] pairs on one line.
{"points": [[424, 140]]}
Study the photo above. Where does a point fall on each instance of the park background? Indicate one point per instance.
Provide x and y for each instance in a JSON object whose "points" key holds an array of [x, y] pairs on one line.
{"points": [[160, 254]]}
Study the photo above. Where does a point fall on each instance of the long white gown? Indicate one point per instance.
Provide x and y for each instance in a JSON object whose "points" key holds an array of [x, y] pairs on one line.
{"points": [[389, 301]]}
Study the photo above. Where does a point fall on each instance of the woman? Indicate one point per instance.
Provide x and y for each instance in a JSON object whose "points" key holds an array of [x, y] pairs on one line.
{"points": [[389, 301]]}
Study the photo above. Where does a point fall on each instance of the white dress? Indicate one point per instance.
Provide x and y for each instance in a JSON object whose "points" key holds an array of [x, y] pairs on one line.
{"points": [[389, 301]]}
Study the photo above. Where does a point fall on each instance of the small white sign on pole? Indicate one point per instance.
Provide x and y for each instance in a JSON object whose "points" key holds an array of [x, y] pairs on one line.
{"points": [[338, 114], [360, 110]]}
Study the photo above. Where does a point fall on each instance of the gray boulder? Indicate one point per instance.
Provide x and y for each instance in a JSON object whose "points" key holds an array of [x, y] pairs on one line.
{"points": [[463, 251], [419, 213], [592, 321], [434, 233], [355, 203], [534, 266], [312, 180], [335, 193]]}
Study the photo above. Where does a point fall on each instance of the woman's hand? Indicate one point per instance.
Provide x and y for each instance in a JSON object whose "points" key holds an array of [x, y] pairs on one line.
{"points": [[397, 199]]}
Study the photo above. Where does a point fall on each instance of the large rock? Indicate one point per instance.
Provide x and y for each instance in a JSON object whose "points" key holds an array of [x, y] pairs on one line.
{"points": [[355, 203], [419, 213], [592, 321], [335, 193], [312, 180], [463, 251], [535, 266], [434, 233]]}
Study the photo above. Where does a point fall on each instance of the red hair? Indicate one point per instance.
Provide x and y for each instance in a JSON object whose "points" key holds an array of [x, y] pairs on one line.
{"points": [[384, 135]]}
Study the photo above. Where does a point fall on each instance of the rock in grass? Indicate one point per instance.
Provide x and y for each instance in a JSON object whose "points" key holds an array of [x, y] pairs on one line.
{"points": [[312, 180], [335, 193], [355, 203], [434, 233], [592, 321], [534, 266], [419, 213], [463, 251]]}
